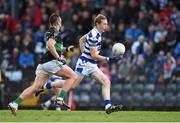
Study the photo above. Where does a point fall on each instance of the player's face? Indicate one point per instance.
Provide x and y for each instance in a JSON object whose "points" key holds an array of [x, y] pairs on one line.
{"points": [[103, 25], [59, 24]]}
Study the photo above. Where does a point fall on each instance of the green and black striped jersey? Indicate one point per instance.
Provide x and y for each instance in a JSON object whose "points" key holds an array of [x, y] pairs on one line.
{"points": [[55, 34]]}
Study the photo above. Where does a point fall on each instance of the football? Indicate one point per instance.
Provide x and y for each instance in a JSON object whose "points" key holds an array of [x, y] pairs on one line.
{"points": [[118, 49]]}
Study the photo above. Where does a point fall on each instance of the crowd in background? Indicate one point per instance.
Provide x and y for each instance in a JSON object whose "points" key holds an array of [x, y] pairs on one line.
{"points": [[150, 30]]}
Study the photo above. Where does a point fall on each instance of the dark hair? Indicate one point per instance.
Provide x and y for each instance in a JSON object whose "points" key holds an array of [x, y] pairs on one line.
{"points": [[98, 18], [53, 18]]}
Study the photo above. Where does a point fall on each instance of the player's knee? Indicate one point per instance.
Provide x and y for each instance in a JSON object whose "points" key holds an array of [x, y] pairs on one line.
{"points": [[107, 83], [74, 77], [76, 81], [75, 84]]}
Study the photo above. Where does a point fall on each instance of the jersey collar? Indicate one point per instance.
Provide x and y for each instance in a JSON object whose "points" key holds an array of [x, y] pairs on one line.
{"points": [[54, 28], [97, 30]]}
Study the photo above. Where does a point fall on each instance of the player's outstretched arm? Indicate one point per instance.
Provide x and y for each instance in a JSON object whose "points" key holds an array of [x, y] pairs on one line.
{"points": [[95, 56], [98, 57]]}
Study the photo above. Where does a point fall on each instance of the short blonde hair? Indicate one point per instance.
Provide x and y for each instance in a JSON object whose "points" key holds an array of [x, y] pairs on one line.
{"points": [[99, 18]]}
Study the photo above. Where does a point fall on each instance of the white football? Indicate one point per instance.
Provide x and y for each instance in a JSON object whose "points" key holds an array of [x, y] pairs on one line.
{"points": [[118, 49]]}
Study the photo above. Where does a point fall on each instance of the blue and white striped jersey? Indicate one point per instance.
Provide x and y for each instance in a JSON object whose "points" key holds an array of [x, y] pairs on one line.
{"points": [[93, 40]]}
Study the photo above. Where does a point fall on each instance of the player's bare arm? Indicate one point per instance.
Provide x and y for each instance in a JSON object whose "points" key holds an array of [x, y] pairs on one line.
{"points": [[50, 44], [81, 42], [95, 56]]}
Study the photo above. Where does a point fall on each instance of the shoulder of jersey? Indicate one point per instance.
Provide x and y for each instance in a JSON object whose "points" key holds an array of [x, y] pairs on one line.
{"points": [[49, 33], [51, 30]]}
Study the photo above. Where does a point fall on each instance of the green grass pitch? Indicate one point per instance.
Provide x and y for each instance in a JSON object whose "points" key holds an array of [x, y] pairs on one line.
{"points": [[88, 116]]}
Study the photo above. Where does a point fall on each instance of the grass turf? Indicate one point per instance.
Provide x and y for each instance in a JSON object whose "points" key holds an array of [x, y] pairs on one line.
{"points": [[88, 116]]}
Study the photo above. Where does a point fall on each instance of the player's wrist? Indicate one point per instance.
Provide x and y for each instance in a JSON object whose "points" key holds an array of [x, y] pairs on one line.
{"points": [[107, 58], [63, 61], [58, 58]]}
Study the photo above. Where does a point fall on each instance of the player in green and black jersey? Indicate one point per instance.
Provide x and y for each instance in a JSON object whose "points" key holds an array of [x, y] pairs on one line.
{"points": [[51, 63]]}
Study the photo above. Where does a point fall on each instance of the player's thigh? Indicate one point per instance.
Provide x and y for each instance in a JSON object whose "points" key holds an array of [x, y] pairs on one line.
{"points": [[101, 77], [66, 72], [40, 79]]}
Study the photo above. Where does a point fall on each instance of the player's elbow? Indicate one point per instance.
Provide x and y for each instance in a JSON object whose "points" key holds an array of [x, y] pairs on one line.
{"points": [[94, 56], [50, 43], [81, 42]]}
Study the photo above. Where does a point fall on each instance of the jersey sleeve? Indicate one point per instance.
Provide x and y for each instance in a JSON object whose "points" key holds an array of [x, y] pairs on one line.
{"points": [[52, 34], [49, 34]]}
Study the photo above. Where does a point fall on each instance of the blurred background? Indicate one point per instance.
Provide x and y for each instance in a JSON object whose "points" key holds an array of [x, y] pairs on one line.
{"points": [[148, 77]]}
